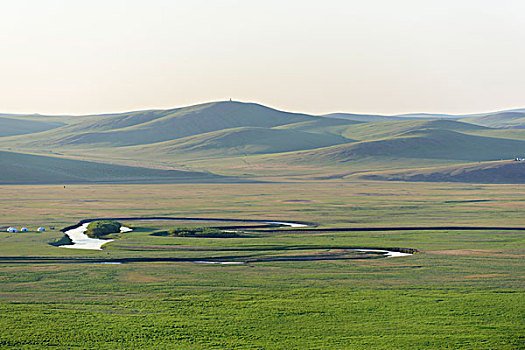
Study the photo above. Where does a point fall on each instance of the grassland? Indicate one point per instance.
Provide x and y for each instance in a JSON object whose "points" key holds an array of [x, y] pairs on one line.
{"points": [[464, 290]]}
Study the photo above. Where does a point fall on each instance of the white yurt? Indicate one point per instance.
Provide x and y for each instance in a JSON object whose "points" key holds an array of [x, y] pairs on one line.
{"points": [[41, 229], [24, 229], [12, 230]]}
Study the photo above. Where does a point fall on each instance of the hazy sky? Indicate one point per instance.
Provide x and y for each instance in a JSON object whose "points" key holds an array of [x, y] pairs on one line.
{"points": [[369, 56]]}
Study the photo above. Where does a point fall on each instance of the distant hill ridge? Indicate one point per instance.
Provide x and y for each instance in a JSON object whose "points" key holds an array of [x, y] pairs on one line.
{"points": [[514, 118]]}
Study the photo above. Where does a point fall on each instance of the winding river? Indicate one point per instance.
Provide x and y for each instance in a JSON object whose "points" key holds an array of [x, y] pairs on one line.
{"points": [[82, 241]]}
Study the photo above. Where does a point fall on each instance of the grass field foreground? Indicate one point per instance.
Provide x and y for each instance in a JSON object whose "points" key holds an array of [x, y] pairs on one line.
{"points": [[464, 290]]}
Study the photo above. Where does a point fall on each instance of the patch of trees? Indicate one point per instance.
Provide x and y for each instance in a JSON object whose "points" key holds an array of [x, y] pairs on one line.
{"points": [[204, 232], [96, 229], [64, 240]]}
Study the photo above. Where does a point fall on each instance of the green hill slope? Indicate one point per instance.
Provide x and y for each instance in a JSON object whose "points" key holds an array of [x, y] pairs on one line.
{"points": [[239, 141], [115, 121], [506, 120], [377, 130], [19, 126], [487, 172], [424, 144], [19, 168], [327, 126], [363, 117], [157, 126]]}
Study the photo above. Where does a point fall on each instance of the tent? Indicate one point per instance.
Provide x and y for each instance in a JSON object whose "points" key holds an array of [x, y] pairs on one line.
{"points": [[41, 229], [24, 229]]}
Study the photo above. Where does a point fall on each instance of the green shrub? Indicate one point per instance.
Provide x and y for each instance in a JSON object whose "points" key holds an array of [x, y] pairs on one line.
{"points": [[97, 229], [64, 240]]}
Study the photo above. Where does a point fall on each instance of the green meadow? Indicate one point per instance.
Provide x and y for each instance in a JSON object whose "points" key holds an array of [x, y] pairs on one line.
{"points": [[464, 289]]}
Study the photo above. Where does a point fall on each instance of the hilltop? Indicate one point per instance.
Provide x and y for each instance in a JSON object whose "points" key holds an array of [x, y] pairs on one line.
{"points": [[148, 127]]}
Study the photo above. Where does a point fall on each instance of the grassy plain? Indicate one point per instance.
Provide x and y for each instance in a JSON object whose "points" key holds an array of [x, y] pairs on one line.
{"points": [[464, 290]]}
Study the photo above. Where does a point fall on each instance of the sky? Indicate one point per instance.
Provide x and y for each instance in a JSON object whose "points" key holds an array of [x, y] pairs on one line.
{"points": [[369, 56]]}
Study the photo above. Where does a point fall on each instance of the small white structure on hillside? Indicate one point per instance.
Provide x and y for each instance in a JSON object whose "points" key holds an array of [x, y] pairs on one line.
{"points": [[41, 229], [24, 229], [12, 230]]}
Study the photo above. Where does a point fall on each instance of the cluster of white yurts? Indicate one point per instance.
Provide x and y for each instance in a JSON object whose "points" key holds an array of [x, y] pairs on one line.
{"points": [[23, 229]]}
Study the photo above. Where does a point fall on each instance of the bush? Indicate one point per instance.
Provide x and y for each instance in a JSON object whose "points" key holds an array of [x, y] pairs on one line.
{"points": [[101, 228], [64, 240]]}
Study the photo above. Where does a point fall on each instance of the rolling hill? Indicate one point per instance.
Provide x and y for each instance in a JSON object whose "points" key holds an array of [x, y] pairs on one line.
{"points": [[380, 130], [428, 116], [240, 141], [245, 138], [363, 117], [328, 126], [18, 126], [19, 168], [505, 120], [423, 144], [147, 127], [491, 119], [486, 172]]}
